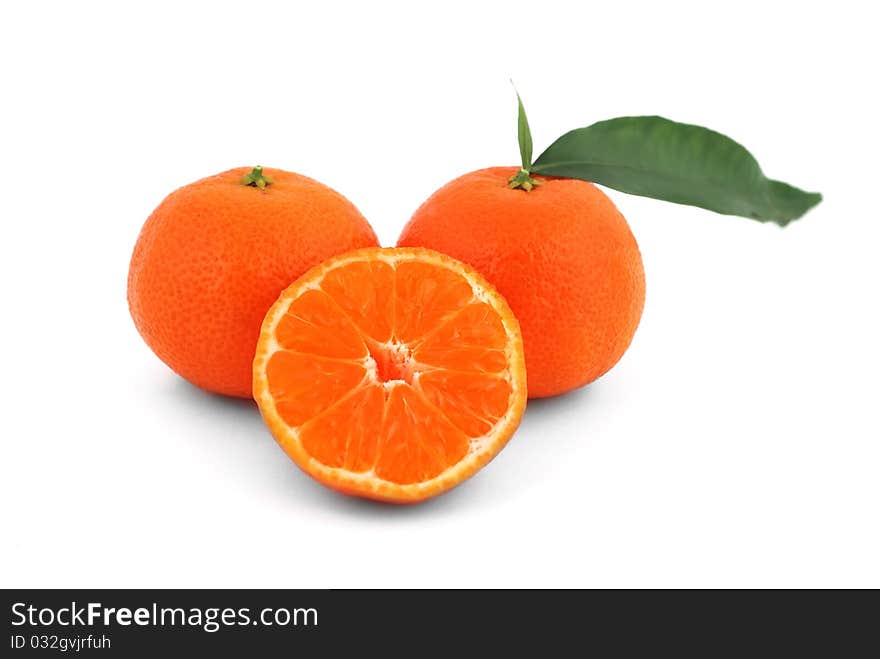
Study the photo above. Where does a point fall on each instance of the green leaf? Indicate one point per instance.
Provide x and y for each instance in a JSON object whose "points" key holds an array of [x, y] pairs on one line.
{"points": [[525, 136], [685, 164]]}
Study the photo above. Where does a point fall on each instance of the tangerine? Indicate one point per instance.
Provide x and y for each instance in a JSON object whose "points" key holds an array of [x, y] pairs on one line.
{"points": [[560, 253], [215, 254], [391, 374]]}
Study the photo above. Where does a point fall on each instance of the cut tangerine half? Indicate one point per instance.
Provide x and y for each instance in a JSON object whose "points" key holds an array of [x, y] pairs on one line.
{"points": [[391, 374]]}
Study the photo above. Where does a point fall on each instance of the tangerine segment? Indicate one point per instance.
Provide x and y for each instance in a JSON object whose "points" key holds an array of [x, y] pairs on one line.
{"points": [[473, 402], [314, 324], [292, 376], [365, 291], [418, 442], [345, 437], [426, 295], [473, 339], [392, 374]]}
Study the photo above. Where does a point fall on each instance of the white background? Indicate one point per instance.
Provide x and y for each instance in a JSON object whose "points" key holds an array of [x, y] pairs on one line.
{"points": [[736, 444]]}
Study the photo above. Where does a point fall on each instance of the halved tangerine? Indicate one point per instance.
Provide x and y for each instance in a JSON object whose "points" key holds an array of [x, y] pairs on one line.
{"points": [[391, 374]]}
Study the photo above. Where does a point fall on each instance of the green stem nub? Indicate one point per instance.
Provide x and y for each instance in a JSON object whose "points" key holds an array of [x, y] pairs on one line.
{"points": [[256, 178], [522, 180]]}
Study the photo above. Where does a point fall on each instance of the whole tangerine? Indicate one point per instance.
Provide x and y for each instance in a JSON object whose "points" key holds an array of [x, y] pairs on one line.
{"points": [[214, 256], [560, 253]]}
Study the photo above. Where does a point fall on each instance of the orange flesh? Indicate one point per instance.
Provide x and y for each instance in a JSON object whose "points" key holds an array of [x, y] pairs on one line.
{"points": [[390, 370]]}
